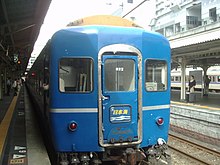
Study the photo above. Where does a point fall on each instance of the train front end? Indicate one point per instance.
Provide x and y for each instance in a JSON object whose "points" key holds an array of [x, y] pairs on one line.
{"points": [[100, 106]]}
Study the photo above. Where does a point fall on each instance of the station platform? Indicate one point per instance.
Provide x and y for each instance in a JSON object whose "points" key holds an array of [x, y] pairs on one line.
{"points": [[20, 139]]}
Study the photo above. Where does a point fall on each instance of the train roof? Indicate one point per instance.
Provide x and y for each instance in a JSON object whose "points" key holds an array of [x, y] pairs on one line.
{"points": [[112, 29], [107, 21], [103, 20], [103, 35]]}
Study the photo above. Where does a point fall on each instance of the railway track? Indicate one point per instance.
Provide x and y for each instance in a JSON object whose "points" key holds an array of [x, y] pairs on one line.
{"points": [[196, 152]]}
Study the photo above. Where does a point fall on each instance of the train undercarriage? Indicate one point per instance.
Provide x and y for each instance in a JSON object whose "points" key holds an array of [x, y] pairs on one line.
{"points": [[156, 154]]}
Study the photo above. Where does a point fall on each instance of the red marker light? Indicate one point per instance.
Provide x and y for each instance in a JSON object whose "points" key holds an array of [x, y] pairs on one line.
{"points": [[72, 126], [160, 121], [33, 74]]}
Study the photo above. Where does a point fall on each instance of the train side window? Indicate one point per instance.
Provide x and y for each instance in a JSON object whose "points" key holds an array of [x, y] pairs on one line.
{"points": [[76, 75], [155, 75], [176, 79], [218, 78]]}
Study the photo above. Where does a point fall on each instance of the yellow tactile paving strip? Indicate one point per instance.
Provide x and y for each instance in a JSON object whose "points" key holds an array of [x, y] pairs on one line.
{"points": [[4, 126], [195, 105]]}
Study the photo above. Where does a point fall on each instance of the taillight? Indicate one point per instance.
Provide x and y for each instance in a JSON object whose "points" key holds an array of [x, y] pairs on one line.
{"points": [[159, 121], [72, 126]]}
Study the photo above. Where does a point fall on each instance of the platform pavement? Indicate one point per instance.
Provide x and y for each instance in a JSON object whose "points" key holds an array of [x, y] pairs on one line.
{"points": [[35, 146], [4, 104], [212, 100], [24, 144]]}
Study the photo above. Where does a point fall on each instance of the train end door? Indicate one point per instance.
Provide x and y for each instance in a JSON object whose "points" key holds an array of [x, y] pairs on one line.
{"points": [[120, 99]]}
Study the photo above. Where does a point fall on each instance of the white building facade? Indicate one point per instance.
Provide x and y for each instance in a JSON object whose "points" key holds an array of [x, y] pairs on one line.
{"points": [[176, 16]]}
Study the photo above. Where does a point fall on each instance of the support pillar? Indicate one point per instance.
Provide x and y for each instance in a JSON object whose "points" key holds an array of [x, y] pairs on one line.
{"points": [[183, 80], [205, 87]]}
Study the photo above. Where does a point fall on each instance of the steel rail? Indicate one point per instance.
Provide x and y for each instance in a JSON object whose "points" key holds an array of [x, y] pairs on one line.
{"points": [[188, 155], [199, 146], [193, 144]]}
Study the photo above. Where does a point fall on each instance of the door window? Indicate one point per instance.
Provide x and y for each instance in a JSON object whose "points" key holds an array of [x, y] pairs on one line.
{"points": [[119, 75]]}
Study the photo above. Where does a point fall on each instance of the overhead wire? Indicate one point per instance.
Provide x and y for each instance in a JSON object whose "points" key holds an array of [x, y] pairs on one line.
{"points": [[134, 8]]}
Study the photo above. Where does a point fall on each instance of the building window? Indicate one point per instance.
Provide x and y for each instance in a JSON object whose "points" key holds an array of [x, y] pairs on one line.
{"points": [[212, 14], [76, 75], [169, 30], [177, 27], [192, 22], [156, 75]]}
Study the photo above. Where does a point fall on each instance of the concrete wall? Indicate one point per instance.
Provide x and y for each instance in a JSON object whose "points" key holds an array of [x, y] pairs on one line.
{"points": [[202, 122]]}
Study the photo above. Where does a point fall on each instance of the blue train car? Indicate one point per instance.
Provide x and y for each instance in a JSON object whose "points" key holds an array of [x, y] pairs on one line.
{"points": [[106, 93]]}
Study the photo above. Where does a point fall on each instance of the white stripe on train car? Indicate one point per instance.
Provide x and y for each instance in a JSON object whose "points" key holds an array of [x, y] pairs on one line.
{"points": [[156, 107], [74, 110], [95, 110]]}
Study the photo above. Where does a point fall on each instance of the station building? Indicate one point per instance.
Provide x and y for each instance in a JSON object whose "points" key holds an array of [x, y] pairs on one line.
{"points": [[192, 27]]}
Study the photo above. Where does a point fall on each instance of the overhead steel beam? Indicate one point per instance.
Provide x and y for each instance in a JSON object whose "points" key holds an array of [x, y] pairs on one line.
{"points": [[8, 23], [24, 22], [19, 30]]}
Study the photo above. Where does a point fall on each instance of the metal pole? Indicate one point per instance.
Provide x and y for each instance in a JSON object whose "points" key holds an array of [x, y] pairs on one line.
{"points": [[134, 8]]}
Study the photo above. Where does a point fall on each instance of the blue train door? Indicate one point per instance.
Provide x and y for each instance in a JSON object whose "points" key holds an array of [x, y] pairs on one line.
{"points": [[120, 99]]}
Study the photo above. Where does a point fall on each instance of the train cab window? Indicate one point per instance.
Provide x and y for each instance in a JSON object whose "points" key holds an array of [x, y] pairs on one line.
{"points": [[155, 75], [176, 78], [119, 75], [76, 75]]}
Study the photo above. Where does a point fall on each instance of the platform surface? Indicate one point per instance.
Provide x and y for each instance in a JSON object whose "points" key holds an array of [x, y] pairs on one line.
{"points": [[20, 139]]}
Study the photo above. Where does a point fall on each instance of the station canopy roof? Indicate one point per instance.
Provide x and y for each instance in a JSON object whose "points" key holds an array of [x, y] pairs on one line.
{"points": [[20, 22], [198, 47]]}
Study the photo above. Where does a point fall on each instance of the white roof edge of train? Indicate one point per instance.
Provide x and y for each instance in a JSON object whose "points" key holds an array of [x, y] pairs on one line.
{"points": [[210, 71]]}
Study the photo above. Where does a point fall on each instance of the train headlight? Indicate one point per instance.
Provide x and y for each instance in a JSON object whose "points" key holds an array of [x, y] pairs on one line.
{"points": [[72, 126], [159, 121]]}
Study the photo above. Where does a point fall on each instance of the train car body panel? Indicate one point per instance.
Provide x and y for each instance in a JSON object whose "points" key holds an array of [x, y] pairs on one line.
{"points": [[84, 139]]}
